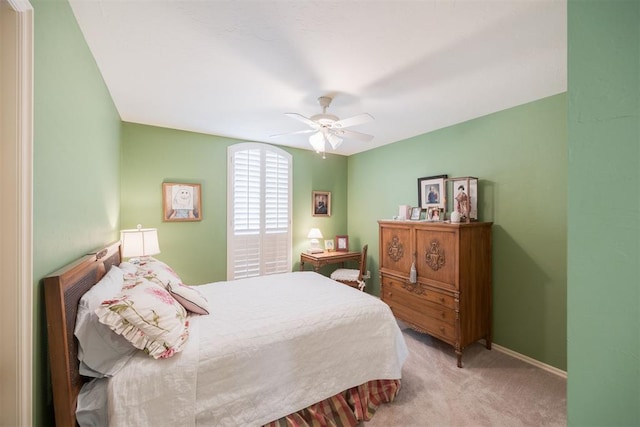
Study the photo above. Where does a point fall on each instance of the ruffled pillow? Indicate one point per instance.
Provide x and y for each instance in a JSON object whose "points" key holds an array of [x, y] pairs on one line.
{"points": [[100, 351], [148, 317], [189, 297]]}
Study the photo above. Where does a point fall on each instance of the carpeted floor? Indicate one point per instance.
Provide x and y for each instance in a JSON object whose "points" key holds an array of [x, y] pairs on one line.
{"points": [[493, 389]]}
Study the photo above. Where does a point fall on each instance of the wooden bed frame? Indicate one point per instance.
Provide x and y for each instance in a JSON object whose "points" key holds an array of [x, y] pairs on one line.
{"points": [[62, 292]]}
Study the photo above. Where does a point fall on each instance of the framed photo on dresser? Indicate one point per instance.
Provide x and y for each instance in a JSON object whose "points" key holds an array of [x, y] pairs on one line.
{"points": [[431, 191], [434, 214], [415, 213]]}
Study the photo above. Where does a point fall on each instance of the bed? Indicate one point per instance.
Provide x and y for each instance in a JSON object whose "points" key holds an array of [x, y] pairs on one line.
{"points": [[276, 350]]}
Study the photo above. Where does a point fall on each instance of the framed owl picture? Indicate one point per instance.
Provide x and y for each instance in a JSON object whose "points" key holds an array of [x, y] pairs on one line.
{"points": [[181, 202]]}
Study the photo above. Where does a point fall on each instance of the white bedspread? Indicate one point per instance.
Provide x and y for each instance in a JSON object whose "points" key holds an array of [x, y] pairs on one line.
{"points": [[271, 346]]}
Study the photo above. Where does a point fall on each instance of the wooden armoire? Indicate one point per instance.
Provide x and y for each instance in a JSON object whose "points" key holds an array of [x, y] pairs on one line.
{"points": [[450, 298]]}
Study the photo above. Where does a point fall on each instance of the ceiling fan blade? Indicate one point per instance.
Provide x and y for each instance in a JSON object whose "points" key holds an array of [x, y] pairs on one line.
{"points": [[353, 121], [293, 133], [303, 119], [352, 134]]}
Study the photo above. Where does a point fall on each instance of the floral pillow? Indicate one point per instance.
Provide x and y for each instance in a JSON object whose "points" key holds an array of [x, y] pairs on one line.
{"points": [[148, 317], [189, 297], [158, 272], [100, 351], [156, 267]]}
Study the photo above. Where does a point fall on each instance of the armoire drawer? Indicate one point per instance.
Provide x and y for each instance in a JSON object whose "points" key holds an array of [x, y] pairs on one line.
{"points": [[426, 307], [416, 291], [435, 327]]}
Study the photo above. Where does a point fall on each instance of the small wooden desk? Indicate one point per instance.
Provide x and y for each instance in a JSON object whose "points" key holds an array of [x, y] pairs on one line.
{"points": [[325, 258]]}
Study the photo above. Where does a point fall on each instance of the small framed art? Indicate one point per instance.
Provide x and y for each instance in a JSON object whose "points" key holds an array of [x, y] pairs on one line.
{"points": [[342, 243], [321, 203], [328, 246], [434, 214], [415, 213], [181, 202], [431, 191]]}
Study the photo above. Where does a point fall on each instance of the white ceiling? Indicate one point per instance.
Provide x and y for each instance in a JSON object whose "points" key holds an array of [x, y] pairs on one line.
{"points": [[232, 68]]}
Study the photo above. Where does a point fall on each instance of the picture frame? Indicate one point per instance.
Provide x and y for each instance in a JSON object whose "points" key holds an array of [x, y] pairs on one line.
{"points": [[342, 244], [434, 213], [415, 213], [328, 246], [321, 203], [181, 202], [432, 192]]}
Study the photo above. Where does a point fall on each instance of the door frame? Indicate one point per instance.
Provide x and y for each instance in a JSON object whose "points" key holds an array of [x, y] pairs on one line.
{"points": [[16, 246]]}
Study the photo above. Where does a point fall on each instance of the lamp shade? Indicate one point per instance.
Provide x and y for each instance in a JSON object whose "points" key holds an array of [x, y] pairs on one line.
{"points": [[139, 242], [314, 233], [317, 142]]}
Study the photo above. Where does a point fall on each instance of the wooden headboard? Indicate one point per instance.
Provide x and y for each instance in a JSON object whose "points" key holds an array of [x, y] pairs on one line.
{"points": [[62, 292]]}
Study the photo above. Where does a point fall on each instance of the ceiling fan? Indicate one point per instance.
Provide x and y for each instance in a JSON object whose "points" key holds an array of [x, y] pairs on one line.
{"points": [[327, 128]]}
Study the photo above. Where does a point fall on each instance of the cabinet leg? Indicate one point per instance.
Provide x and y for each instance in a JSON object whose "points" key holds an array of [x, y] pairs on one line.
{"points": [[459, 354], [488, 342]]}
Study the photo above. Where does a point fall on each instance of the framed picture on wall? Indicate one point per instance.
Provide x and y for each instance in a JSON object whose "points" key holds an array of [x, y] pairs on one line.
{"points": [[321, 203], [181, 202]]}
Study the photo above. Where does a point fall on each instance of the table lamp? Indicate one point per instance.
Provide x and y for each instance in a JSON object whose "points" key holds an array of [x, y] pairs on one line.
{"points": [[139, 242], [314, 245]]}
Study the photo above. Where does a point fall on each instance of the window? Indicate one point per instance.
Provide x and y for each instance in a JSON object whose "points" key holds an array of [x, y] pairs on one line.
{"points": [[259, 210]]}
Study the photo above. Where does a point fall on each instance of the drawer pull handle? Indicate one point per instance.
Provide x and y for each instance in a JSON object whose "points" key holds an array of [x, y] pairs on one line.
{"points": [[390, 294], [442, 314], [441, 299], [442, 330]]}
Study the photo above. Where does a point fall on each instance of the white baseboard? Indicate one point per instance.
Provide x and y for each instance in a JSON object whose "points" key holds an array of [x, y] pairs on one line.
{"points": [[529, 360]]}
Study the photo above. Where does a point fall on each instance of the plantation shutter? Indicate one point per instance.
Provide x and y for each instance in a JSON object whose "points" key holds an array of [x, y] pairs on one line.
{"points": [[259, 208]]}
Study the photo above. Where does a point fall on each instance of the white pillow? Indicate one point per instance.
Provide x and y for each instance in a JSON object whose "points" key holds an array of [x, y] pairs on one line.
{"points": [[101, 352], [148, 317], [128, 268]]}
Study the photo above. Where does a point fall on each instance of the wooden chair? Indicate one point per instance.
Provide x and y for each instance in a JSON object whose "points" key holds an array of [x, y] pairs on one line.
{"points": [[354, 277]]}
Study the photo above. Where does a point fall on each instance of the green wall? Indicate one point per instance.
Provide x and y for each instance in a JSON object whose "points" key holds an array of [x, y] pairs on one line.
{"points": [[76, 194], [520, 157], [604, 249], [197, 250]]}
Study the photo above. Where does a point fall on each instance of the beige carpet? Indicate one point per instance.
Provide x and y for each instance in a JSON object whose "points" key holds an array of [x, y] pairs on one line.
{"points": [[493, 389]]}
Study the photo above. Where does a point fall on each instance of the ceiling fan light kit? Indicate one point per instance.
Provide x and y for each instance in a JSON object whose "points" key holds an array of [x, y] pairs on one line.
{"points": [[329, 129]]}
